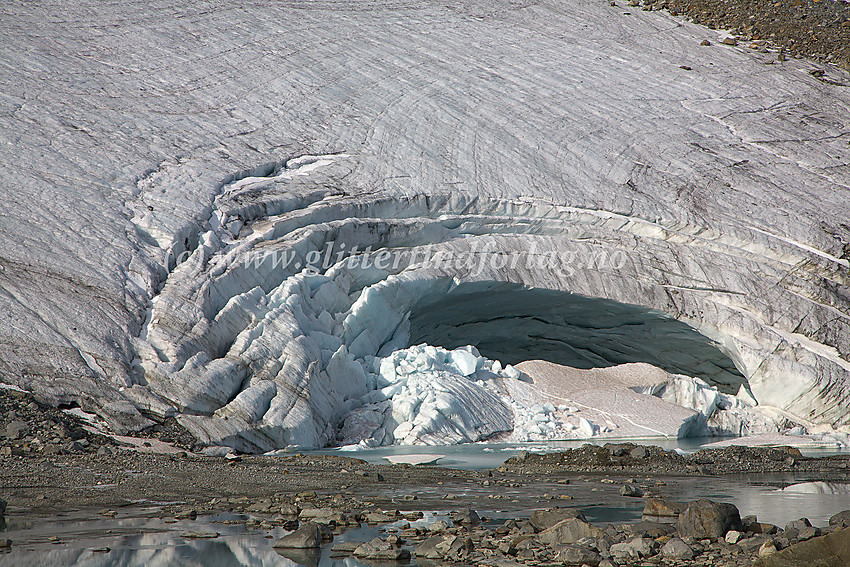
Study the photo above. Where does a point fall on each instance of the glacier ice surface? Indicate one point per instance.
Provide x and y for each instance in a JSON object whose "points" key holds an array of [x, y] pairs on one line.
{"points": [[187, 223]]}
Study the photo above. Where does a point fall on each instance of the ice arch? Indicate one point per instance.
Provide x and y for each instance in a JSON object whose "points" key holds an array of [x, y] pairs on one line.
{"points": [[512, 323], [266, 333]]}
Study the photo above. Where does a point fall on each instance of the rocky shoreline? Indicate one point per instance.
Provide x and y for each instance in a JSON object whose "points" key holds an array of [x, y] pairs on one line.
{"points": [[317, 496]]}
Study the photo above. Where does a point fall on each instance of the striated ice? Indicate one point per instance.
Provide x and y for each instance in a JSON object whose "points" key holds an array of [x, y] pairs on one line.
{"points": [[178, 226]]}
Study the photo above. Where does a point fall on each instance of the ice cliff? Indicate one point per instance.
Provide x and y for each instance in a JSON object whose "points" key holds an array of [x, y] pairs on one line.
{"points": [[235, 216]]}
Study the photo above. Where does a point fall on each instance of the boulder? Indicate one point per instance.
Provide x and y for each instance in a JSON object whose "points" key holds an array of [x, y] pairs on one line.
{"points": [[428, 548], [289, 510], [767, 548], [568, 531], [466, 517], [307, 536], [658, 510], [438, 526], [841, 519], [545, 519], [2, 507], [374, 518], [454, 548], [753, 526], [637, 547], [752, 544], [576, 555], [793, 528], [381, 550], [706, 519], [647, 529], [447, 546], [677, 549], [831, 550], [310, 514], [344, 548]]}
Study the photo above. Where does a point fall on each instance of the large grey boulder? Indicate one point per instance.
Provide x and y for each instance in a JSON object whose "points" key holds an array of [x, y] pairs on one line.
{"points": [[707, 519], [307, 536]]}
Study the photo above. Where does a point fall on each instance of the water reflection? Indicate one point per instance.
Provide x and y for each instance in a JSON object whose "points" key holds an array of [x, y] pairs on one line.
{"points": [[818, 487], [139, 538]]}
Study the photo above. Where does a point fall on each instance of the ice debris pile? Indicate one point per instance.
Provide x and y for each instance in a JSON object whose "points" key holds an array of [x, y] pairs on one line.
{"points": [[429, 395]]}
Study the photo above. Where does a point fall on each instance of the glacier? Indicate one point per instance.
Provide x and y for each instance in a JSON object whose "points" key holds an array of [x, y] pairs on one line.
{"points": [[303, 224]]}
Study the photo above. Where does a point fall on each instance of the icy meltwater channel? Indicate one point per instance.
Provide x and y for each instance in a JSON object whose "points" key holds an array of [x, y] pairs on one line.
{"points": [[136, 538]]}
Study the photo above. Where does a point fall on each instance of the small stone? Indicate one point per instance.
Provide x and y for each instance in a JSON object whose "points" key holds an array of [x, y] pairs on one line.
{"points": [[767, 548], [705, 43], [729, 41], [51, 449], [438, 526], [631, 491], [733, 536]]}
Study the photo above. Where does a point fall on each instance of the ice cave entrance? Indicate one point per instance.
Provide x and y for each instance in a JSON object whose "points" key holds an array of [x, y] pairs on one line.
{"points": [[512, 323]]}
